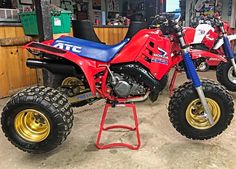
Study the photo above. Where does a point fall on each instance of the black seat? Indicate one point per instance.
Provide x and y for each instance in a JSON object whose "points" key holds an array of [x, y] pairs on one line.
{"points": [[84, 30], [134, 27]]}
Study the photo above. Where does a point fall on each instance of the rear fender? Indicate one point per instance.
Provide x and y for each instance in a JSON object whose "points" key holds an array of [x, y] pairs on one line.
{"points": [[88, 66], [196, 54]]}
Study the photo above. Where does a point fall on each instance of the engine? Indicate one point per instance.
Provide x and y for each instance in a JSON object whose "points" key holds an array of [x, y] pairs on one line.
{"points": [[132, 79], [125, 86]]}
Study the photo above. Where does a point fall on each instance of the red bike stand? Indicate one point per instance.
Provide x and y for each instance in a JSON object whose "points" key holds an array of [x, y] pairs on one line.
{"points": [[102, 128]]}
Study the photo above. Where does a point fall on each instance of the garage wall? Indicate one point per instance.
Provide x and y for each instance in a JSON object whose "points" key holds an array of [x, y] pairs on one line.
{"points": [[233, 16], [225, 11], [111, 36], [14, 74]]}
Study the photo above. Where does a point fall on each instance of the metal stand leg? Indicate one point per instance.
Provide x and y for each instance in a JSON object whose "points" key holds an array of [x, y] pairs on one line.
{"points": [[119, 126]]}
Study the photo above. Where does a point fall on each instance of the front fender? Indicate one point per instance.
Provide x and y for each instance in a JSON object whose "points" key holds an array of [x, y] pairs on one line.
{"points": [[221, 41], [88, 66], [196, 54]]}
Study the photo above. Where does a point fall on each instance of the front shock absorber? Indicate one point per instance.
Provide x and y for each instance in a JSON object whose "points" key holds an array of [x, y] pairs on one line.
{"points": [[192, 73]]}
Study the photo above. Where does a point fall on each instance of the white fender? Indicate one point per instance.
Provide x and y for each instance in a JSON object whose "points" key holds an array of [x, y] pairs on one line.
{"points": [[221, 41], [201, 32]]}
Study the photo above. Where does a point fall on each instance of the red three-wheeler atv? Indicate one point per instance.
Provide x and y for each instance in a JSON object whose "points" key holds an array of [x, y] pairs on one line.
{"points": [[38, 119]]}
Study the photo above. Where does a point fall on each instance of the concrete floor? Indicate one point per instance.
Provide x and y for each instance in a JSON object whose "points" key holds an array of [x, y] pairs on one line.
{"points": [[162, 146]]}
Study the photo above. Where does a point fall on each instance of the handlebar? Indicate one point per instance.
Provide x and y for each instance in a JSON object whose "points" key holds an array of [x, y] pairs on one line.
{"points": [[164, 18], [166, 22], [169, 25]]}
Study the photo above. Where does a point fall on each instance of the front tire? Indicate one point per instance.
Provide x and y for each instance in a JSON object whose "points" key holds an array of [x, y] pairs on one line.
{"points": [[226, 76], [37, 119], [186, 111]]}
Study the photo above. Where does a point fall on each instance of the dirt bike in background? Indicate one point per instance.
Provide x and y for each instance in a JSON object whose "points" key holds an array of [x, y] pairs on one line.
{"points": [[38, 119], [206, 24], [216, 38]]}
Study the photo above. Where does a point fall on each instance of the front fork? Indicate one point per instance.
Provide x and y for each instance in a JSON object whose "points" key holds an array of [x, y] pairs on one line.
{"points": [[192, 74], [228, 52]]}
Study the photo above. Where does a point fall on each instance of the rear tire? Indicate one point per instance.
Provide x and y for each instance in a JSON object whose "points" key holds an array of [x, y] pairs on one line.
{"points": [[37, 119], [225, 75], [185, 110], [57, 81], [54, 80]]}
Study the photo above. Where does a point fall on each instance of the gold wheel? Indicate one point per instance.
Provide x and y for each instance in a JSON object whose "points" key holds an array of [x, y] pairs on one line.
{"points": [[75, 82], [195, 114], [76, 85], [32, 125]]}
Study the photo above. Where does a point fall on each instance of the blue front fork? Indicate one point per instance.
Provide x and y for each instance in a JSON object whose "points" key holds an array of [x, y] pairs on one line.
{"points": [[227, 47], [192, 74], [228, 51], [191, 71]]}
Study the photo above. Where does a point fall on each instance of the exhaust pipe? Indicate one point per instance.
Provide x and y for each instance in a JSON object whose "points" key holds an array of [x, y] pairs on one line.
{"points": [[52, 67]]}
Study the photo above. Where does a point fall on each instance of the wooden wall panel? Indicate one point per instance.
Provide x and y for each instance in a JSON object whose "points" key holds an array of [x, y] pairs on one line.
{"points": [[4, 82], [111, 36], [66, 34], [14, 74]]}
